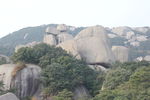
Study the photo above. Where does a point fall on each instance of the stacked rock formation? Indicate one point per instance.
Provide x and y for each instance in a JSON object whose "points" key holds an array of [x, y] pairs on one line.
{"points": [[91, 44], [54, 36]]}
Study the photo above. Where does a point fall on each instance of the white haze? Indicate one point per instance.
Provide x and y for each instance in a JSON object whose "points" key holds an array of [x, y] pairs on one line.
{"points": [[16, 14]]}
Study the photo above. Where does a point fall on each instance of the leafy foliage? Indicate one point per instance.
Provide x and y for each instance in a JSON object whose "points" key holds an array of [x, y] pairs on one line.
{"points": [[64, 95], [132, 86], [60, 70], [3, 60]]}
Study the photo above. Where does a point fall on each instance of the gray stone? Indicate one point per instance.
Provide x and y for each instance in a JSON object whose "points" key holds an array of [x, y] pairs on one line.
{"points": [[147, 58], [121, 31], [50, 39], [51, 30], [71, 47], [8, 96], [62, 28], [93, 45], [25, 81], [121, 53], [64, 37]]}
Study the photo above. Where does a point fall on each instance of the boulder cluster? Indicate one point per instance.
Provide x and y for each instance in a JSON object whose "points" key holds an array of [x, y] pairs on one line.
{"points": [[91, 44]]}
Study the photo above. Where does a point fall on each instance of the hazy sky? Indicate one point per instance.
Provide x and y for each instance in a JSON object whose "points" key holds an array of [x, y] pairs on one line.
{"points": [[16, 14]]}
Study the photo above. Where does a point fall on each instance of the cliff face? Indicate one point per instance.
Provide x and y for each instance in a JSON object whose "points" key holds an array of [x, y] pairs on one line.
{"points": [[25, 80]]}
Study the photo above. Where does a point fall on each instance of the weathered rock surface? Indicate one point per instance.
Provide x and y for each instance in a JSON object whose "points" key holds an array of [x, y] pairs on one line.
{"points": [[81, 93], [64, 37], [121, 31], [50, 36], [8, 96], [143, 30], [98, 68], [50, 39], [62, 28], [51, 30], [147, 58], [121, 53], [54, 36], [71, 47], [26, 81], [93, 45]]}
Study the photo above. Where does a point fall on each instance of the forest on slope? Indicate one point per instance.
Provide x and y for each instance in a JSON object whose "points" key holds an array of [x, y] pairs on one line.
{"points": [[62, 73]]}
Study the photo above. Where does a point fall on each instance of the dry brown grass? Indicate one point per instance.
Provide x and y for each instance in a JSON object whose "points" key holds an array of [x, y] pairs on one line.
{"points": [[17, 68], [33, 98]]}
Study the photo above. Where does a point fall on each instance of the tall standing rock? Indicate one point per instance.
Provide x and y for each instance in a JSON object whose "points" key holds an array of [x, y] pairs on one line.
{"points": [[121, 53], [25, 80], [93, 45]]}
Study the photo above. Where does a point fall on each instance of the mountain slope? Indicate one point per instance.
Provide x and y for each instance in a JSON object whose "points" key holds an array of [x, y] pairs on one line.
{"points": [[27, 35]]}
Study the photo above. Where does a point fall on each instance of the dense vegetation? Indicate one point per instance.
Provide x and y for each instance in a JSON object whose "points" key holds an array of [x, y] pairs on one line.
{"points": [[128, 81], [3, 60], [62, 73], [60, 70]]}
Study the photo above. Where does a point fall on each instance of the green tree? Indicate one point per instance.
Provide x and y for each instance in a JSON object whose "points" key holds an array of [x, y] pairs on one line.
{"points": [[116, 77], [3, 60], [64, 95]]}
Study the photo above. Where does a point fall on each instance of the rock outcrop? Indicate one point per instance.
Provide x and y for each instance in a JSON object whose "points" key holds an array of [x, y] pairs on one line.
{"points": [[121, 31], [24, 79], [121, 53], [93, 45], [50, 36], [98, 68], [147, 58], [64, 37], [8, 96], [71, 47], [143, 30], [54, 36]]}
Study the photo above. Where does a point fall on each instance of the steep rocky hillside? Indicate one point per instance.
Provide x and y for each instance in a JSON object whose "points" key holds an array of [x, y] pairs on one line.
{"points": [[136, 39], [27, 35]]}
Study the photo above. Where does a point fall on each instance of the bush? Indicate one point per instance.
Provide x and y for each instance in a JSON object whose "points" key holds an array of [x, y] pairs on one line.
{"points": [[130, 82], [60, 70], [64, 95]]}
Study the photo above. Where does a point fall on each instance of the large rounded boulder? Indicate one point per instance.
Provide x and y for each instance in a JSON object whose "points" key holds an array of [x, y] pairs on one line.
{"points": [[93, 45], [23, 78]]}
